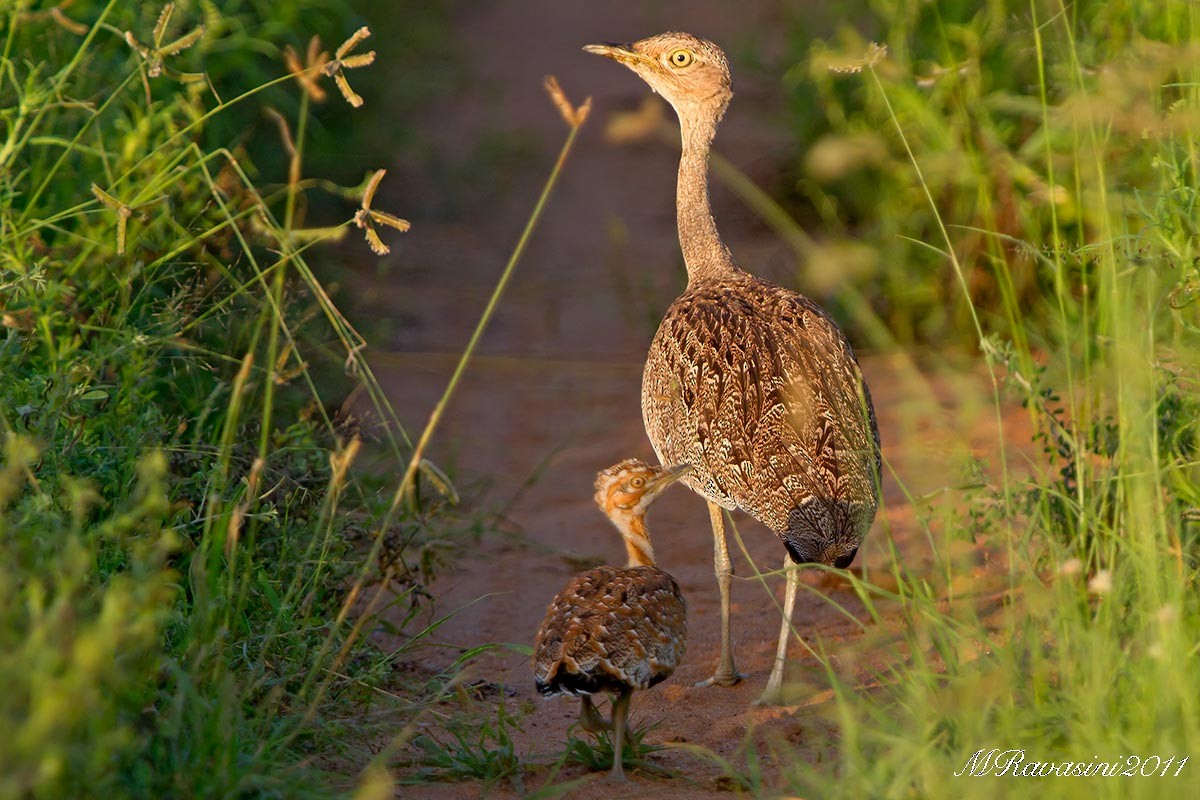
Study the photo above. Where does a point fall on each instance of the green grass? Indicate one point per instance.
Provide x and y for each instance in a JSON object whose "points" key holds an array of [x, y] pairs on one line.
{"points": [[466, 749], [189, 560], [474, 742], [193, 555], [190, 564], [596, 753], [1035, 166], [998, 120]]}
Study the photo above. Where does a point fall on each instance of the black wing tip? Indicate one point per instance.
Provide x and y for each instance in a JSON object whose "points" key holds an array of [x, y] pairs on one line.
{"points": [[556, 681], [575, 684]]}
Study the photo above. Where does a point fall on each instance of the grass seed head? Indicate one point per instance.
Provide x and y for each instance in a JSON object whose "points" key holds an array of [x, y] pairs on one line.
{"points": [[59, 17], [573, 116], [153, 55], [342, 61], [308, 73], [1101, 583], [367, 218], [1072, 566], [355, 39], [869, 60]]}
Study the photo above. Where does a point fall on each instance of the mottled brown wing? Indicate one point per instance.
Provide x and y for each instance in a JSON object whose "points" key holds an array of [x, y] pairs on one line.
{"points": [[759, 390], [611, 628]]}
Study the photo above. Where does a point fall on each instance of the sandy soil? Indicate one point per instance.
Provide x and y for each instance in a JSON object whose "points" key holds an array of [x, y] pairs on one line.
{"points": [[554, 395]]}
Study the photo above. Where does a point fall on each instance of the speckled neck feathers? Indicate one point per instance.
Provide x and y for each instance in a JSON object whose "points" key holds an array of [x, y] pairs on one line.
{"points": [[704, 253], [637, 539]]}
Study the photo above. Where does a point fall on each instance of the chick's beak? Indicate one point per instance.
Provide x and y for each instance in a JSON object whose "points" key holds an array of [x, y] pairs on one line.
{"points": [[623, 53]]}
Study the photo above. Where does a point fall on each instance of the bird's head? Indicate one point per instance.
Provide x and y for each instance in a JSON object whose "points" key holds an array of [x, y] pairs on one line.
{"points": [[690, 73], [627, 489], [835, 554], [827, 532]]}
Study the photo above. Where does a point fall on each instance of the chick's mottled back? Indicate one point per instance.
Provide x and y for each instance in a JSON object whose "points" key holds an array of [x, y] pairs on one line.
{"points": [[611, 628]]}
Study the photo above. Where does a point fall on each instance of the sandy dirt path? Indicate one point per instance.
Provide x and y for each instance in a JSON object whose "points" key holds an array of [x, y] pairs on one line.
{"points": [[555, 391]]}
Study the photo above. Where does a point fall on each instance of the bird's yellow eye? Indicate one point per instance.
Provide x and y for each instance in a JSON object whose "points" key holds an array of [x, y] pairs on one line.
{"points": [[637, 483], [681, 58]]}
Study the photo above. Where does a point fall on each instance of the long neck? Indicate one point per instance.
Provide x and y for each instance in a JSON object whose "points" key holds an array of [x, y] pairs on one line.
{"points": [[637, 539], [703, 251]]}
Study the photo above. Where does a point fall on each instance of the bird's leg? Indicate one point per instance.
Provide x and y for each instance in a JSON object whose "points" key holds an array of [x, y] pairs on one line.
{"points": [[773, 694], [620, 717], [589, 718], [726, 674]]}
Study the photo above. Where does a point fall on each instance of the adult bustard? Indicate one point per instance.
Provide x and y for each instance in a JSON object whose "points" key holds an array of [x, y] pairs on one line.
{"points": [[615, 629], [750, 383]]}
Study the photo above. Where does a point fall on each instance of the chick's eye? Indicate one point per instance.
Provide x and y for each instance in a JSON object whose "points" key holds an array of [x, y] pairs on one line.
{"points": [[680, 58], [637, 483]]}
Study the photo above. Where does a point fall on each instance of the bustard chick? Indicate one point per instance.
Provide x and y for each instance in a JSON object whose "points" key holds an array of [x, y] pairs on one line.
{"points": [[615, 629], [750, 383]]}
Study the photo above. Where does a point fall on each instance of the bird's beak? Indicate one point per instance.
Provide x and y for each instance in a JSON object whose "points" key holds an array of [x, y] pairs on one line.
{"points": [[616, 51], [670, 475]]}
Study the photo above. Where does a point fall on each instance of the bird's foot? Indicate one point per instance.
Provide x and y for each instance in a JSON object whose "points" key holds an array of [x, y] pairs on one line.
{"points": [[615, 777], [773, 692], [723, 678]]}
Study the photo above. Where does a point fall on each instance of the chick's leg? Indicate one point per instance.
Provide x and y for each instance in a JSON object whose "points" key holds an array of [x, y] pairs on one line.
{"points": [[620, 718], [589, 718]]}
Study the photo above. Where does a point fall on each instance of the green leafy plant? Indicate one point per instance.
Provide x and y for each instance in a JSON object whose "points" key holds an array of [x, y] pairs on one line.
{"points": [[467, 749], [596, 751], [185, 536]]}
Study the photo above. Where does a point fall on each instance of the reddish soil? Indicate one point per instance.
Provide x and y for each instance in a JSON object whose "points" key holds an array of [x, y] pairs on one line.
{"points": [[554, 395]]}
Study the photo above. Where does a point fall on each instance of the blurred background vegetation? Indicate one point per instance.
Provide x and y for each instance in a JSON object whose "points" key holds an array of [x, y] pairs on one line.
{"points": [[188, 559], [996, 112]]}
